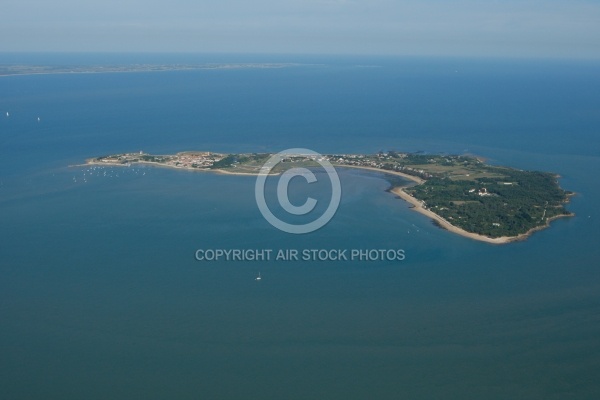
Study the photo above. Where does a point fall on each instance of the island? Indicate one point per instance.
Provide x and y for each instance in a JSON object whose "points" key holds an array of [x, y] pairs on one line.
{"points": [[460, 193]]}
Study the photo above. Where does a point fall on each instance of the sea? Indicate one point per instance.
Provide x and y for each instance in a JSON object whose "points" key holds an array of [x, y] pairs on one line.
{"points": [[102, 295]]}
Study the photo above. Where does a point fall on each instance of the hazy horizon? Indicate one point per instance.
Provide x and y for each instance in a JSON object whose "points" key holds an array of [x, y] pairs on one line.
{"points": [[466, 28]]}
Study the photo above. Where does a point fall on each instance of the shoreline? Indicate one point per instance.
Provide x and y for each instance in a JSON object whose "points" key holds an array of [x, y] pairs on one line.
{"points": [[398, 190], [163, 165], [415, 179], [444, 224], [91, 161]]}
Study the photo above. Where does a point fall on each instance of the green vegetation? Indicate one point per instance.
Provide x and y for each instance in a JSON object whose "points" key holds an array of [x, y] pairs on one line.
{"points": [[511, 204], [226, 162]]}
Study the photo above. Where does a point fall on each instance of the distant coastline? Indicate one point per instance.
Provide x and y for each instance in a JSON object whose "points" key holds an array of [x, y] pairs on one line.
{"points": [[23, 70]]}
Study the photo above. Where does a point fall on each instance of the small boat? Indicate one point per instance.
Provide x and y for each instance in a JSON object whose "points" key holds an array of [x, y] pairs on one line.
{"points": [[258, 278]]}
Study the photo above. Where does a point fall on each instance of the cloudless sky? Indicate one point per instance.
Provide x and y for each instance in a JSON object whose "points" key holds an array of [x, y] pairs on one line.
{"points": [[521, 28]]}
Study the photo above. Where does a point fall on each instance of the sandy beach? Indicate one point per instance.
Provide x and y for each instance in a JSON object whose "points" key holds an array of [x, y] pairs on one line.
{"points": [[385, 171], [418, 207]]}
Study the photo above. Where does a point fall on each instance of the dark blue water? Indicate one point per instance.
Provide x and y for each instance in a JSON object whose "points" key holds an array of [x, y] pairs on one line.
{"points": [[101, 297]]}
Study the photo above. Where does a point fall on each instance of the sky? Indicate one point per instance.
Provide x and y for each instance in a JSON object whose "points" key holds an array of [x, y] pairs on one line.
{"points": [[502, 28]]}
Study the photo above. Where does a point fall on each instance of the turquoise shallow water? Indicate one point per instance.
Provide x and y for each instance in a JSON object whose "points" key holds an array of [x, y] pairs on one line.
{"points": [[101, 297]]}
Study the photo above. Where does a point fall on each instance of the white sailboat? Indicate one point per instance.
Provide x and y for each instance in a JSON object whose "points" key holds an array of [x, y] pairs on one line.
{"points": [[258, 278]]}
